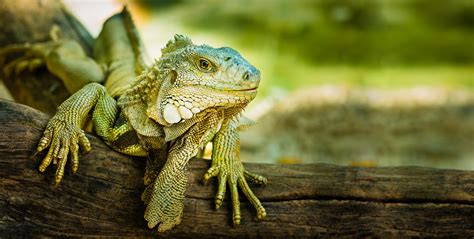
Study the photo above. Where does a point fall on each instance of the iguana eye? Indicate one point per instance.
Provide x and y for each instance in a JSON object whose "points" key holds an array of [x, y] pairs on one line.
{"points": [[205, 65]]}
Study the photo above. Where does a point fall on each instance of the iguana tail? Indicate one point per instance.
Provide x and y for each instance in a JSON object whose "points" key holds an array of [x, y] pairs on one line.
{"points": [[120, 51]]}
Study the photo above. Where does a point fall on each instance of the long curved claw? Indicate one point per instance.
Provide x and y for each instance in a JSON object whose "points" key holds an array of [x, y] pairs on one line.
{"points": [[63, 140], [49, 157], [236, 179], [62, 159], [214, 171], [261, 213], [211, 172]]}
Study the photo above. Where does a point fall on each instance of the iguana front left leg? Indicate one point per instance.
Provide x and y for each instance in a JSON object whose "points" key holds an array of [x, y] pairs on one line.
{"points": [[64, 132], [228, 168]]}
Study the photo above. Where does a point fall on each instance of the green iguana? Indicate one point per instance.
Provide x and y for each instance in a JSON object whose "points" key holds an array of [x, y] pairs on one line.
{"points": [[191, 96]]}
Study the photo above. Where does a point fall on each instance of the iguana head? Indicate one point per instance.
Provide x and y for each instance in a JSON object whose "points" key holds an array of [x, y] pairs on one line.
{"points": [[199, 77]]}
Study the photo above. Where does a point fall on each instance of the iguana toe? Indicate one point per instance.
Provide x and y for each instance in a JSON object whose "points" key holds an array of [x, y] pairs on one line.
{"points": [[236, 179], [63, 140], [35, 63], [255, 178]]}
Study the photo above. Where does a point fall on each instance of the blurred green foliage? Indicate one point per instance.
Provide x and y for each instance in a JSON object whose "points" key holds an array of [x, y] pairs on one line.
{"points": [[356, 45], [355, 32]]}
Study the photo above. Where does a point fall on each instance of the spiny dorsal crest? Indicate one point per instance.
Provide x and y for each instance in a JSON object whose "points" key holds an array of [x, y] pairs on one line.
{"points": [[178, 42]]}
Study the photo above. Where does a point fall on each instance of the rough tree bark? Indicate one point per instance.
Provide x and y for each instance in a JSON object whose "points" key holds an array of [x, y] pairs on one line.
{"points": [[103, 198]]}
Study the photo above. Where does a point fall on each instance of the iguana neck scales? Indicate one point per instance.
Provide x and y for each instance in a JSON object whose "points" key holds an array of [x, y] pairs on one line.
{"points": [[191, 96]]}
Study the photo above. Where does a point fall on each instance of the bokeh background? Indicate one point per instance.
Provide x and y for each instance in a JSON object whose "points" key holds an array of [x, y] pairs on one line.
{"points": [[351, 82]]}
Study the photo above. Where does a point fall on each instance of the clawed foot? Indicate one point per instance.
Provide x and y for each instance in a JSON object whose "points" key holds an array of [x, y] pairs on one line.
{"points": [[30, 60], [33, 55], [232, 172], [63, 140]]}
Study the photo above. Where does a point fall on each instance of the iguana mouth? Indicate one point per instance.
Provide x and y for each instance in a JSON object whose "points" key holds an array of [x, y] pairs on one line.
{"points": [[248, 89]]}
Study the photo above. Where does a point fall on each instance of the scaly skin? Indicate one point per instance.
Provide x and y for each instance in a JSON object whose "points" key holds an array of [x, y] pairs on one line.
{"points": [[226, 158], [189, 97]]}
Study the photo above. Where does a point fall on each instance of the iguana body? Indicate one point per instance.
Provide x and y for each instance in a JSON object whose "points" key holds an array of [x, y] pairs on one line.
{"points": [[191, 96]]}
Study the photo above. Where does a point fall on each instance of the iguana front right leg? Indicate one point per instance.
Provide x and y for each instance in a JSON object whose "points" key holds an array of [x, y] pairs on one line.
{"points": [[165, 197]]}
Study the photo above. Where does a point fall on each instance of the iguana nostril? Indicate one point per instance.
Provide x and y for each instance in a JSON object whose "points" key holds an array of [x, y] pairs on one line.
{"points": [[246, 76]]}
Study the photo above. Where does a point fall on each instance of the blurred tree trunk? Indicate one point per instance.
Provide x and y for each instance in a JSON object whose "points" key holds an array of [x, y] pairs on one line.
{"points": [[29, 21]]}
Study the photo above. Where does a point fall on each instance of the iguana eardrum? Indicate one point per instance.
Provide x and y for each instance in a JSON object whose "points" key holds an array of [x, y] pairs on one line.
{"points": [[191, 96]]}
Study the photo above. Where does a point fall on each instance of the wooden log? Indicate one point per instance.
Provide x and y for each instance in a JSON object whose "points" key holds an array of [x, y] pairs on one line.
{"points": [[30, 21], [103, 198]]}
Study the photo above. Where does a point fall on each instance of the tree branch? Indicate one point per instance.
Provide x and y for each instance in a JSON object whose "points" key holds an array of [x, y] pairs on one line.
{"points": [[103, 198]]}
